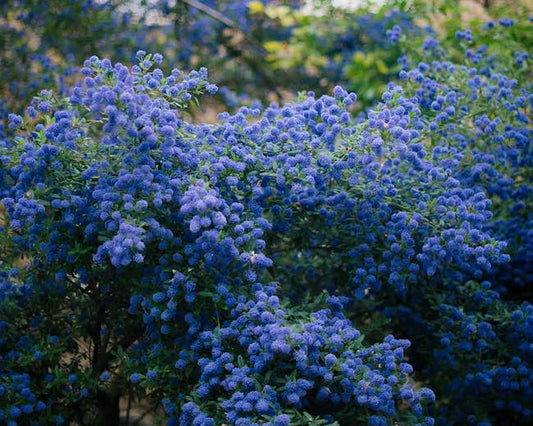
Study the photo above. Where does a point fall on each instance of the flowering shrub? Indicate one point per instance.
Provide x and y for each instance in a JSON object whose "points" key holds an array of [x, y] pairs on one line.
{"points": [[488, 151], [255, 271], [479, 125], [111, 182]]}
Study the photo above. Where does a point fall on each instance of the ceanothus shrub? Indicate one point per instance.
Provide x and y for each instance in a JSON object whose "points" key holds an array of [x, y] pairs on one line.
{"points": [[135, 237], [223, 270], [479, 114], [473, 340]]}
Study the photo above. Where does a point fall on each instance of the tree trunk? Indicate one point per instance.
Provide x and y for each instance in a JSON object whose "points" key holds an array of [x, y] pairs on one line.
{"points": [[108, 409]]}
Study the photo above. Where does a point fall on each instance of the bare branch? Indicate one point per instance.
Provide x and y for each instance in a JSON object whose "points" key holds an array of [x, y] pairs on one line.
{"points": [[215, 14]]}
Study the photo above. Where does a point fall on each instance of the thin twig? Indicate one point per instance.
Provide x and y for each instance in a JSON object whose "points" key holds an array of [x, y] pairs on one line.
{"points": [[215, 14], [255, 44], [218, 16], [129, 408]]}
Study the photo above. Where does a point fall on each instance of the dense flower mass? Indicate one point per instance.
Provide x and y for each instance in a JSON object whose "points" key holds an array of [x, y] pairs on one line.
{"points": [[317, 362], [285, 265]]}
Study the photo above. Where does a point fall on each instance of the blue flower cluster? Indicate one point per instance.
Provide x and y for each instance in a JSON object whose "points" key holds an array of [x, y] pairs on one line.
{"points": [[492, 153], [35, 377], [255, 270], [479, 116], [41, 49], [180, 213], [309, 363], [44, 41]]}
